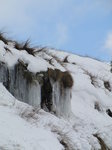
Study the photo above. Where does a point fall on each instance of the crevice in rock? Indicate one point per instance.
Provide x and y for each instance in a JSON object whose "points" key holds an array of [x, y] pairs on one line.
{"points": [[46, 93]]}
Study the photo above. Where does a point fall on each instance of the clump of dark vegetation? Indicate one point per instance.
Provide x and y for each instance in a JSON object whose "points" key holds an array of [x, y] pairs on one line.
{"points": [[92, 78], [64, 78], [97, 106], [50, 61], [67, 80], [20, 46], [30, 50], [3, 38], [74, 63], [7, 49], [101, 142], [65, 59], [107, 85], [64, 145], [55, 58], [25, 46], [111, 66], [41, 49], [109, 112]]}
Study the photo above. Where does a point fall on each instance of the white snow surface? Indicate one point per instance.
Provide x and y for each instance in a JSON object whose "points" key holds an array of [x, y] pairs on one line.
{"points": [[22, 127]]}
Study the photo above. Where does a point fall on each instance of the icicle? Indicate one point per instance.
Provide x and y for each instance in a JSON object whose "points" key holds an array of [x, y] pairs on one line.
{"points": [[35, 94], [61, 100]]}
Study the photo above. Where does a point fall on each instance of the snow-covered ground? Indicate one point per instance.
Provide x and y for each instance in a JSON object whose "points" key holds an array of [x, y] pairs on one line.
{"points": [[17, 133], [22, 127]]}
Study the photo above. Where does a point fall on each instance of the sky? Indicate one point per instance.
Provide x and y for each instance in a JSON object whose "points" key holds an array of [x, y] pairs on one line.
{"points": [[82, 27]]}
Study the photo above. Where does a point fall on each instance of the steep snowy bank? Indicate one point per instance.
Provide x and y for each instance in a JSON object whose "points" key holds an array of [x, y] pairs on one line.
{"points": [[18, 134], [87, 103], [34, 80]]}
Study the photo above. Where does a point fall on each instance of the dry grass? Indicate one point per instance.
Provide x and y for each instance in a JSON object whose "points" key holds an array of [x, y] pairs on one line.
{"points": [[65, 59], [50, 61], [97, 106], [41, 49], [67, 80], [56, 58], [101, 142], [7, 49], [64, 144], [109, 112], [3, 38], [25, 46], [107, 85], [64, 78]]}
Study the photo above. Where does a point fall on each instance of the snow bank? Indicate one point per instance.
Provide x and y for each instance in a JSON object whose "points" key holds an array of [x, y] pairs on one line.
{"points": [[23, 127]]}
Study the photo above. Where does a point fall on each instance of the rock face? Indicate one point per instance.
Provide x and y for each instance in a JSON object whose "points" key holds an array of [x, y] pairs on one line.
{"points": [[50, 90]]}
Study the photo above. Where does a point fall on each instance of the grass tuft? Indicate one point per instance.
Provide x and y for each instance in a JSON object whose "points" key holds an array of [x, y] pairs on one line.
{"points": [[25, 46], [3, 38], [101, 142]]}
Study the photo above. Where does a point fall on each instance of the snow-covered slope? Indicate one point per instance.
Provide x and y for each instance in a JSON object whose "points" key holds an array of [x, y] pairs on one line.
{"points": [[16, 130], [89, 125]]}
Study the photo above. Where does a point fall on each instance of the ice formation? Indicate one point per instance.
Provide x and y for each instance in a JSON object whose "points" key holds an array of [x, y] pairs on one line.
{"points": [[33, 86], [81, 113]]}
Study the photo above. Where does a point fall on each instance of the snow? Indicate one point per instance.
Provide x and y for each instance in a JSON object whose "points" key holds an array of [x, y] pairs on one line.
{"points": [[35, 64], [26, 128], [16, 133]]}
